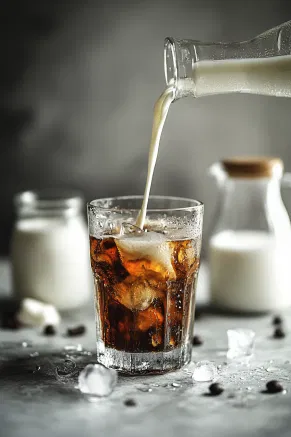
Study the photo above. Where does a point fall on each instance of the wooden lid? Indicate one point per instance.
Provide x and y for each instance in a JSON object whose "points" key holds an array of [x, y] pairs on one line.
{"points": [[252, 166]]}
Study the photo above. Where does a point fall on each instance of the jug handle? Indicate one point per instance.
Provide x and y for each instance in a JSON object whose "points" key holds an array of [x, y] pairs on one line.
{"points": [[216, 170]]}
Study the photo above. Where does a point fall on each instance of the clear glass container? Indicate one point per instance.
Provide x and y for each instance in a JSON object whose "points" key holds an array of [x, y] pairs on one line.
{"points": [[50, 249], [145, 281], [261, 65], [250, 244]]}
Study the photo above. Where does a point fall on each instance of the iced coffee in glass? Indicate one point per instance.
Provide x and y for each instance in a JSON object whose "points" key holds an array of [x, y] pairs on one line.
{"points": [[145, 281]]}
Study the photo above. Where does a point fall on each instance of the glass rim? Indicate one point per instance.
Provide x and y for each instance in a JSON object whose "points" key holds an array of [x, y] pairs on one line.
{"points": [[197, 205]]}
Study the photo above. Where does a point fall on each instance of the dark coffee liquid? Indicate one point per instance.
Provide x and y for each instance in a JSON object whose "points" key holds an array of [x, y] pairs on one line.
{"points": [[144, 305]]}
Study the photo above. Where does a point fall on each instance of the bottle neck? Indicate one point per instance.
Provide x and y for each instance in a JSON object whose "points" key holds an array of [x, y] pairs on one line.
{"points": [[31, 204], [257, 66]]}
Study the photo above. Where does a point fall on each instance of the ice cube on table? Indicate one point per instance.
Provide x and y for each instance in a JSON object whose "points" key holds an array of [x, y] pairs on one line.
{"points": [[151, 246], [97, 380], [240, 344], [35, 313], [204, 371]]}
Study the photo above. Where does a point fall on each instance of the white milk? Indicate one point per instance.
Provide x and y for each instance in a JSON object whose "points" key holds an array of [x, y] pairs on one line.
{"points": [[250, 271], [266, 76], [160, 114], [50, 261]]}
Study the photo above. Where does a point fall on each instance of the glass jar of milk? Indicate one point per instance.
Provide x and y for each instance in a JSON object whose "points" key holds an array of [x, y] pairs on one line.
{"points": [[250, 246], [50, 249]]}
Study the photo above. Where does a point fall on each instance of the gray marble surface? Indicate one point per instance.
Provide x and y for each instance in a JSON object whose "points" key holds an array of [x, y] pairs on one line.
{"points": [[45, 402]]}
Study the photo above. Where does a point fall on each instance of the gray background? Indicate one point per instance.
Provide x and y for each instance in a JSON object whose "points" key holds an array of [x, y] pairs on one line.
{"points": [[78, 83]]}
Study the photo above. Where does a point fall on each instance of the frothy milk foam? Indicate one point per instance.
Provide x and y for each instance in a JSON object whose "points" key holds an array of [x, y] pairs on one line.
{"points": [[249, 271], [150, 246]]}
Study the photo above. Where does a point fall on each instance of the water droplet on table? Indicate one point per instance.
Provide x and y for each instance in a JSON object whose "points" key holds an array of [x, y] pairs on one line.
{"points": [[73, 348], [144, 389], [25, 344], [272, 369]]}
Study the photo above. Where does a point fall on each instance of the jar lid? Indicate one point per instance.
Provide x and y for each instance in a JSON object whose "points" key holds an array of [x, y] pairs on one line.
{"points": [[253, 166]]}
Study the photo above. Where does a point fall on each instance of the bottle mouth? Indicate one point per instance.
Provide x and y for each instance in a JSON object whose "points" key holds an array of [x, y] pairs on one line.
{"points": [[170, 62]]}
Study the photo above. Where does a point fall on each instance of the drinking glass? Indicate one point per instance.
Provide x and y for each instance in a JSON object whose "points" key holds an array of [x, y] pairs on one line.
{"points": [[145, 281]]}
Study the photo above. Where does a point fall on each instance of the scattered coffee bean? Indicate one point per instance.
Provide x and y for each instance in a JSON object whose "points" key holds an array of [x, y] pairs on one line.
{"points": [[36, 369], [77, 330], [49, 330], [277, 320], [274, 386], [216, 389], [279, 333], [130, 403], [197, 340]]}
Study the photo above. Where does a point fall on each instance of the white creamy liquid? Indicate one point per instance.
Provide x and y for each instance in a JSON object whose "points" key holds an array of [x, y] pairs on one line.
{"points": [[50, 261], [266, 76], [250, 271], [160, 114]]}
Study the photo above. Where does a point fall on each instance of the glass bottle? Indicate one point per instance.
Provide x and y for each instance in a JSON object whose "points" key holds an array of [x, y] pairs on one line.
{"points": [[250, 245], [50, 249], [261, 65]]}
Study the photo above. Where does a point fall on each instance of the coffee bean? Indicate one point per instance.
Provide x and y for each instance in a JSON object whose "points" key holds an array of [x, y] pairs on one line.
{"points": [[77, 330], [277, 320], [130, 403], [10, 322], [197, 340], [274, 386], [279, 333], [36, 369], [49, 330], [216, 389]]}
